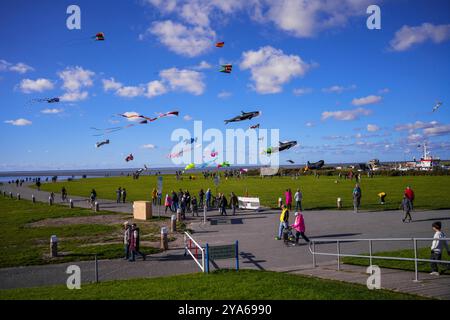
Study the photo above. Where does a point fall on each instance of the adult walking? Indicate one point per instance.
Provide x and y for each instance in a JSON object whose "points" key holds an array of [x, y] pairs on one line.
{"points": [[168, 203], [284, 221], [126, 239], [234, 202], [223, 205], [134, 243], [298, 197], [409, 193], [437, 247], [356, 198], [407, 207], [299, 227], [63, 194], [124, 195]]}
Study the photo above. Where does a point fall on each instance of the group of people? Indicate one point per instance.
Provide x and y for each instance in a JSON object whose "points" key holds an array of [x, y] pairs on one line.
{"points": [[284, 227], [131, 241], [121, 195]]}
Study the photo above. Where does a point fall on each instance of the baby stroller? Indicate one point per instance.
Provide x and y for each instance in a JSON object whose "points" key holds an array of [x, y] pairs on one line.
{"points": [[288, 236]]}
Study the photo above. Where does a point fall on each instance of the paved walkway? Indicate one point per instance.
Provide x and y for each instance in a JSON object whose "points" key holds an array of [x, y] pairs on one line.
{"points": [[258, 249]]}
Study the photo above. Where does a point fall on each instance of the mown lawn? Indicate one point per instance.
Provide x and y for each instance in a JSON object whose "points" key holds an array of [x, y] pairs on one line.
{"points": [[431, 191], [22, 244], [225, 285]]}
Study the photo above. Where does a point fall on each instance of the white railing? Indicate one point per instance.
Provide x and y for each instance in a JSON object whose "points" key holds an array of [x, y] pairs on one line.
{"points": [[193, 248], [371, 256]]}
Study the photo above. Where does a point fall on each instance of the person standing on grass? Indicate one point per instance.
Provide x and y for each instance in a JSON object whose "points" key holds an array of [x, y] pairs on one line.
{"points": [[437, 246], [119, 195], [406, 206], [409, 193], [124, 195], [134, 243], [299, 227], [126, 239], [298, 197], [356, 198], [284, 221]]}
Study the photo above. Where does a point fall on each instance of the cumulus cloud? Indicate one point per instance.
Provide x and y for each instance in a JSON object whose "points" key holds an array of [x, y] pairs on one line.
{"points": [[52, 111], [130, 91], [309, 124], [407, 36], [111, 84], [19, 122], [183, 80], [184, 40], [224, 94], [372, 128], [155, 88], [302, 91], [19, 67], [202, 66], [372, 99], [438, 130], [187, 118], [416, 125], [38, 85], [270, 68], [338, 89], [74, 80], [74, 96], [346, 115]]}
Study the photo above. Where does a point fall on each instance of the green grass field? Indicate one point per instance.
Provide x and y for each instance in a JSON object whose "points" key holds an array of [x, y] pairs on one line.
{"points": [[423, 253], [24, 244], [431, 191], [222, 285]]}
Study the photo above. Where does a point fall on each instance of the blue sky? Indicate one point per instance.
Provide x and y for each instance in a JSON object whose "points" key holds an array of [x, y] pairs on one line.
{"points": [[344, 92]]}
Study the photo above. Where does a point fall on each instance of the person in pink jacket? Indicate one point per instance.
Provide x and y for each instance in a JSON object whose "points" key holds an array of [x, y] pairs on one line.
{"points": [[299, 226], [288, 196], [167, 203]]}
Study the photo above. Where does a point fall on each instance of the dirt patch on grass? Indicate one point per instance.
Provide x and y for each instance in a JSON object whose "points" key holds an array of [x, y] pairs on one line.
{"points": [[58, 222]]}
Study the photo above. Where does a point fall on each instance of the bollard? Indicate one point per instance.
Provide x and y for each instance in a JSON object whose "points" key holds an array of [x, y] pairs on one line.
{"points": [[33, 198], [50, 201], [178, 214], [339, 203], [164, 239], [53, 246], [71, 204], [96, 207], [18, 196], [173, 223]]}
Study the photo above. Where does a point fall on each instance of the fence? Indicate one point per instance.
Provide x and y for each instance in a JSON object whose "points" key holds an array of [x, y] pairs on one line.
{"points": [[339, 254], [193, 248]]}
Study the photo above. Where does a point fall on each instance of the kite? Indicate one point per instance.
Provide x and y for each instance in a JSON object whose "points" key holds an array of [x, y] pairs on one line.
{"points": [[115, 129], [290, 161], [190, 141], [181, 152], [437, 106], [243, 170], [223, 164], [129, 158], [281, 147], [48, 100], [226, 68], [161, 115], [256, 126], [189, 167], [99, 37], [220, 44], [139, 171], [314, 166], [101, 143], [207, 164], [244, 116], [214, 154]]}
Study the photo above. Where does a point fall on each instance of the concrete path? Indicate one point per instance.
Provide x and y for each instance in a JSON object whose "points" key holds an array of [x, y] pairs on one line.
{"points": [[258, 249]]}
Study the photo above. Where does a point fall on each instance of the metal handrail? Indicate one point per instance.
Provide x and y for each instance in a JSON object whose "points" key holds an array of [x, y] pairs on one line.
{"points": [[312, 250], [187, 250]]}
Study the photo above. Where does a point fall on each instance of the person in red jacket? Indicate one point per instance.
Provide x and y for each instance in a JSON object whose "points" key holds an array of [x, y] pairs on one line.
{"points": [[409, 193]]}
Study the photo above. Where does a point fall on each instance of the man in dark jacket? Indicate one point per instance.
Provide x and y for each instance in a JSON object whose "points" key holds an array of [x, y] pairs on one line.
{"points": [[134, 243], [223, 205]]}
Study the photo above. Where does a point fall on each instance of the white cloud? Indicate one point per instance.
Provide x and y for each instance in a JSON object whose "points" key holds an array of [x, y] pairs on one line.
{"points": [[38, 85], [130, 91], [19, 67], [372, 99], [202, 66], [75, 78], [414, 137], [338, 89], [407, 36], [148, 146], [416, 125], [19, 122], [111, 85], [4, 65], [346, 115], [187, 118], [438, 130], [183, 40], [155, 88], [52, 111], [224, 94], [372, 128], [309, 124], [384, 91], [302, 91], [183, 80], [74, 96], [271, 68]]}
